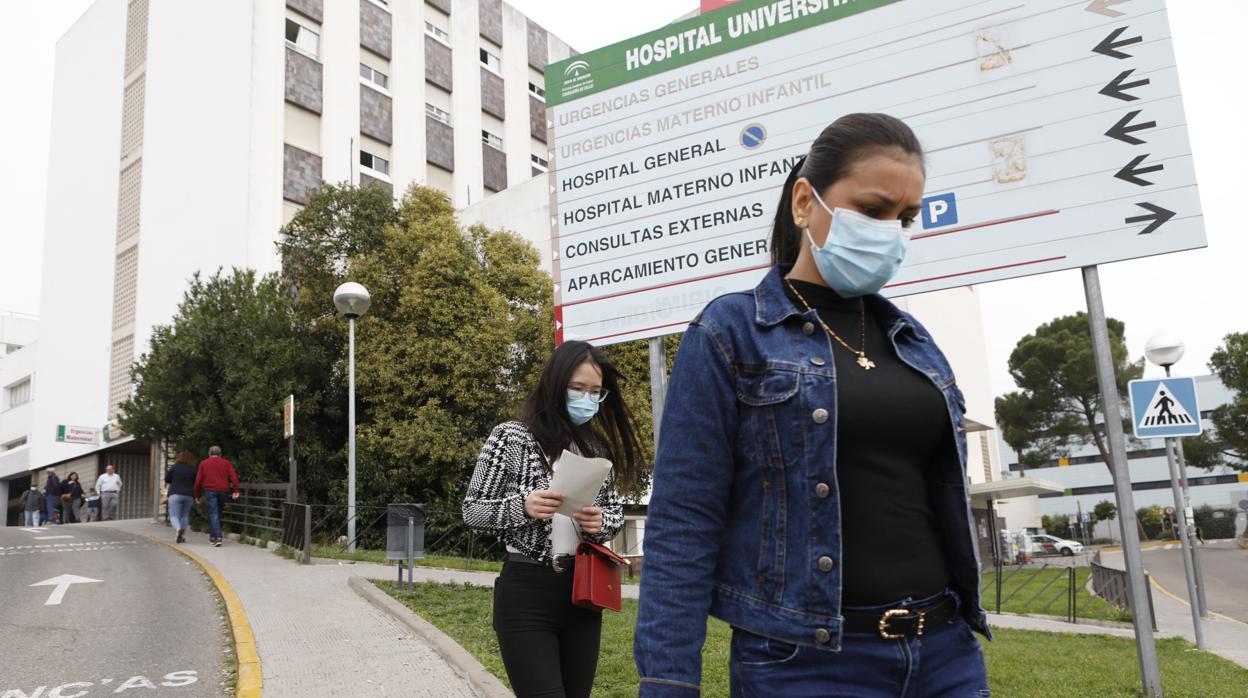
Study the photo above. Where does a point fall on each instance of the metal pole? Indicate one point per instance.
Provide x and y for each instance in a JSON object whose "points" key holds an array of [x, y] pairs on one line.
{"points": [[1189, 569], [1137, 586], [411, 550], [658, 382], [291, 489], [1189, 522], [307, 534], [351, 435]]}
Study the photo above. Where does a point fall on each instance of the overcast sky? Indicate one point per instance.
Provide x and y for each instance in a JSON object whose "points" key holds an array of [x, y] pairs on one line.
{"points": [[1200, 295]]}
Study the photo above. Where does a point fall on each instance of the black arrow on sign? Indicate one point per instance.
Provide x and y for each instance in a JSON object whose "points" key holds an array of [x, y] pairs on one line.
{"points": [[1109, 45], [1102, 7], [1131, 172], [1124, 128], [1157, 215], [1116, 87]]}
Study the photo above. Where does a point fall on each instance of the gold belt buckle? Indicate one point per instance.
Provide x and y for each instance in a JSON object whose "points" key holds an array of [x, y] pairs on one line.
{"points": [[894, 613]]}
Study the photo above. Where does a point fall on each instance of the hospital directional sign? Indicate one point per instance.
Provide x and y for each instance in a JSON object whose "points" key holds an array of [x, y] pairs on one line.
{"points": [[1164, 408], [1055, 137]]}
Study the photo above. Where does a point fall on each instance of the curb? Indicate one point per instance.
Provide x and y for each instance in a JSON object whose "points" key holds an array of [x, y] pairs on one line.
{"points": [[1157, 585], [479, 679], [250, 679]]}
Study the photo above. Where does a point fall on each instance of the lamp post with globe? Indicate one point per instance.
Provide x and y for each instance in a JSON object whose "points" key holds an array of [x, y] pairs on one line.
{"points": [[1165, 350], [352, 301]]}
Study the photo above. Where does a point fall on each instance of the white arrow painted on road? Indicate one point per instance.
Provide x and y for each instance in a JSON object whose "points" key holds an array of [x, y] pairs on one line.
{"points": [[34, 530], [62, 584]]}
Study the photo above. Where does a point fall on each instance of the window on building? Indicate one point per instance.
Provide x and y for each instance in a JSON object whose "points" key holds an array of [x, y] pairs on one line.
{"points": [[302, 39], [374, 76], [537, 91], [18, 393], [15, 443], [491, 140], [437, 33], [439, 114], [375, 163], [491, 61], [539, 163]]}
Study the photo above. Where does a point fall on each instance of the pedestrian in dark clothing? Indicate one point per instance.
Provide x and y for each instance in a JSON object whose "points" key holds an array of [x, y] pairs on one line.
{"points": [[32, 504], [181, 480], [215, 480], [71, 498], [51, 496]]}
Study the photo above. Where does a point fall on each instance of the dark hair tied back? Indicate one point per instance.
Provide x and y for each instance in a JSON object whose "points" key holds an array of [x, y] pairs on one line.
{"points": [[829, 159]]}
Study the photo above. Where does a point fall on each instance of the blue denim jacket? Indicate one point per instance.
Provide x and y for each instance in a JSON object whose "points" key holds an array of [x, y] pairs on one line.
{"points": [[735, 527]]}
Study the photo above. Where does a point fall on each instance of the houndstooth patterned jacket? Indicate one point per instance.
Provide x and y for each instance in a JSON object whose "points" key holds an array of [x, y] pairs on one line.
{"points": [[509, 467]]}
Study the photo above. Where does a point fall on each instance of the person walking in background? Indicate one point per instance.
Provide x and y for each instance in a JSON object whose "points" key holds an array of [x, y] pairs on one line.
{"points": [[109, 487], [549, 646], [181, 480], [32, 504], [215, 481], [51, 497], [71, 499], [810, 485], [93, 506]]}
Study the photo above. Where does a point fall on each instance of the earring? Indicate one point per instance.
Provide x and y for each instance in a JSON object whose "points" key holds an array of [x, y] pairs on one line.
{"points": [[801, 223]]}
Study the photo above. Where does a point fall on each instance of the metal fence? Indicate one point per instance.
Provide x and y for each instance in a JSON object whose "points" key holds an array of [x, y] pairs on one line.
{"points": [[1041, 589], [1111, 584], [258, 510]]}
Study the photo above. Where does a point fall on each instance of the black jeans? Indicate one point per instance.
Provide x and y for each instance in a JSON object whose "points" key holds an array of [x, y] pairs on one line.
{"points": [[549, 646]]}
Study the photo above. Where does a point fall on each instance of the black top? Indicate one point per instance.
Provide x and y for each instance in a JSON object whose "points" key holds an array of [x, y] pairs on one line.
{"points": [[71, 488], [181, 479], [893, 427]]}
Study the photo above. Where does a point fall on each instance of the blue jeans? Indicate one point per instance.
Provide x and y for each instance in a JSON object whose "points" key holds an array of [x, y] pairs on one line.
{"points": [[946, 661], [52, 504], [180, 510], [32, 518], [216, 505]]}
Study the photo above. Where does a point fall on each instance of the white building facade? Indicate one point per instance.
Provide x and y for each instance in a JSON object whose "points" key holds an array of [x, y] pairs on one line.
{"points": [[185, 135], [18, 335]]}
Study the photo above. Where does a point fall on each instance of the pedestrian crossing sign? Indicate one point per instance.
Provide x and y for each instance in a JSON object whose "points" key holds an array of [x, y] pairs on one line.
{"points": [[1164, 408]]}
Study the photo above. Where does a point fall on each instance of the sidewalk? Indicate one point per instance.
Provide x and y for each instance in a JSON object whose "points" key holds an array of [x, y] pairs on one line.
{"points": [[440, 575], [1224, 637], [315, 636]]}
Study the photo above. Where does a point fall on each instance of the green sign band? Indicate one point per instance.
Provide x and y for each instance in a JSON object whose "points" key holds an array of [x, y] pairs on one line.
{"points": [[727, 29]]}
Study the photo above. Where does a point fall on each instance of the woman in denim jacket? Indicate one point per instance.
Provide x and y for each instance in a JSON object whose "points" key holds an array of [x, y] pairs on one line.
{"points": [[810, 483], [550, 647]]}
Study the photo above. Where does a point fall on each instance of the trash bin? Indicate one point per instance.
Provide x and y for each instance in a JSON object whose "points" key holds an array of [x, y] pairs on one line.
{"points": [[397, 516]]}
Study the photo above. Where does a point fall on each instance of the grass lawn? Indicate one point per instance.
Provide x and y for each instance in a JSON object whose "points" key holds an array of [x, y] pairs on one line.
{"points": [[379, 556], [1042, 591], [1020, 663]]}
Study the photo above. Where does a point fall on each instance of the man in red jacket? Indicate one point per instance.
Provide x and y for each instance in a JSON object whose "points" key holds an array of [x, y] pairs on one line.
{"points": [[216, 478]]}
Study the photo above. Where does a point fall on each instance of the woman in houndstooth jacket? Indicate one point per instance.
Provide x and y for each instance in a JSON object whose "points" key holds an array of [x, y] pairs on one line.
{"points": [[549, 646]]}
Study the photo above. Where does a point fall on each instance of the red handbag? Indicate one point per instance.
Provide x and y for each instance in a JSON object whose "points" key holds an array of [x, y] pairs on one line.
{"points": [[596, 577]]}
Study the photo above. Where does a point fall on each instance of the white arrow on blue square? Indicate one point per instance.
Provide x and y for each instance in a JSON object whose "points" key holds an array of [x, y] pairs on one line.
{"points": [[1164, 408]]}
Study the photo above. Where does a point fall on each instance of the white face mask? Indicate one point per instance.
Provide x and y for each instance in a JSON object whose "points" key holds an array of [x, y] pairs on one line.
{"points": [[860, 254]]}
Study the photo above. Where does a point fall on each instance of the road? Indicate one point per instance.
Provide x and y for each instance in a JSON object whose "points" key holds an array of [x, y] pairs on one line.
{"points": [[1225, 569], [150, 625]]}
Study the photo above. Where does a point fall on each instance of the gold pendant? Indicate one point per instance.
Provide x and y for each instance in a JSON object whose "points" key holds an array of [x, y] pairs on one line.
{"points": [[865, 363]]}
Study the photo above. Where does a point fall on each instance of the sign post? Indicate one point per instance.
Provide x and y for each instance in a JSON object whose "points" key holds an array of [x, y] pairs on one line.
{"points": [[288, 431]]}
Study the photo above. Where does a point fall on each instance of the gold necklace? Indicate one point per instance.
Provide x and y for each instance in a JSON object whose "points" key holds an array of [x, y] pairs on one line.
{"points": [[863, 361]]}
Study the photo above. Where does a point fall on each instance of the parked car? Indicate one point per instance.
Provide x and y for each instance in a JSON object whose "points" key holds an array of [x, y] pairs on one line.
{"points": [[1052, 545]]}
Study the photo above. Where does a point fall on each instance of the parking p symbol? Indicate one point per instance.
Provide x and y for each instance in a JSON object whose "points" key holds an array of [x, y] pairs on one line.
{"points": [[940, 210]]}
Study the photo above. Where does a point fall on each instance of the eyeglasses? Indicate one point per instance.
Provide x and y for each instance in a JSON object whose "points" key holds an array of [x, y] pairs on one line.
{"points": [[577, 392]]}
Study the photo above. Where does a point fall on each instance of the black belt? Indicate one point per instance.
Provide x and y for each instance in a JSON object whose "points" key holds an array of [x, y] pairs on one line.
{"points": [[563, 563], [897, 623]]}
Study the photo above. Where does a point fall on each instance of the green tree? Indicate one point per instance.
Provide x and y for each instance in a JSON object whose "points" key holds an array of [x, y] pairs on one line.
{"points": [[1227, 444], [218, 373], [1104, 510], [633, 361], [1059, 401], [459, 327]]}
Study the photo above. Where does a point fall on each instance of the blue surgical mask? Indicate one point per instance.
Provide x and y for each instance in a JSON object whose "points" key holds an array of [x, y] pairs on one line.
{"points": [[581, 408], [861, 254]]}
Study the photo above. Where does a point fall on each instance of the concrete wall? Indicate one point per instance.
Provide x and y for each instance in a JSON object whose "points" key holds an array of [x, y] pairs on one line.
{"points": [[80, 230]]}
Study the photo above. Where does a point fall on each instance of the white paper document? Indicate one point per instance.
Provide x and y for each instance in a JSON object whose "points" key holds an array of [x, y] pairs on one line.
{"points": [[579, 479]]}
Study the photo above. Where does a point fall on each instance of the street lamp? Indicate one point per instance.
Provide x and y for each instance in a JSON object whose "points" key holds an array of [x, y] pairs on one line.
{"points": [[1165, 350], [352, 301]]}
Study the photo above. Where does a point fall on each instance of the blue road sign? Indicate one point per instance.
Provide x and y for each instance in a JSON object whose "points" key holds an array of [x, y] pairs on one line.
{"points": [[1164, 407], [940, 210]]}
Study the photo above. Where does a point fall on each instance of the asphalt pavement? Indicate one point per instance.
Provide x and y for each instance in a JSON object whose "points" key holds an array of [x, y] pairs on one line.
{"points": [[89, 610], [1225, 571]]}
